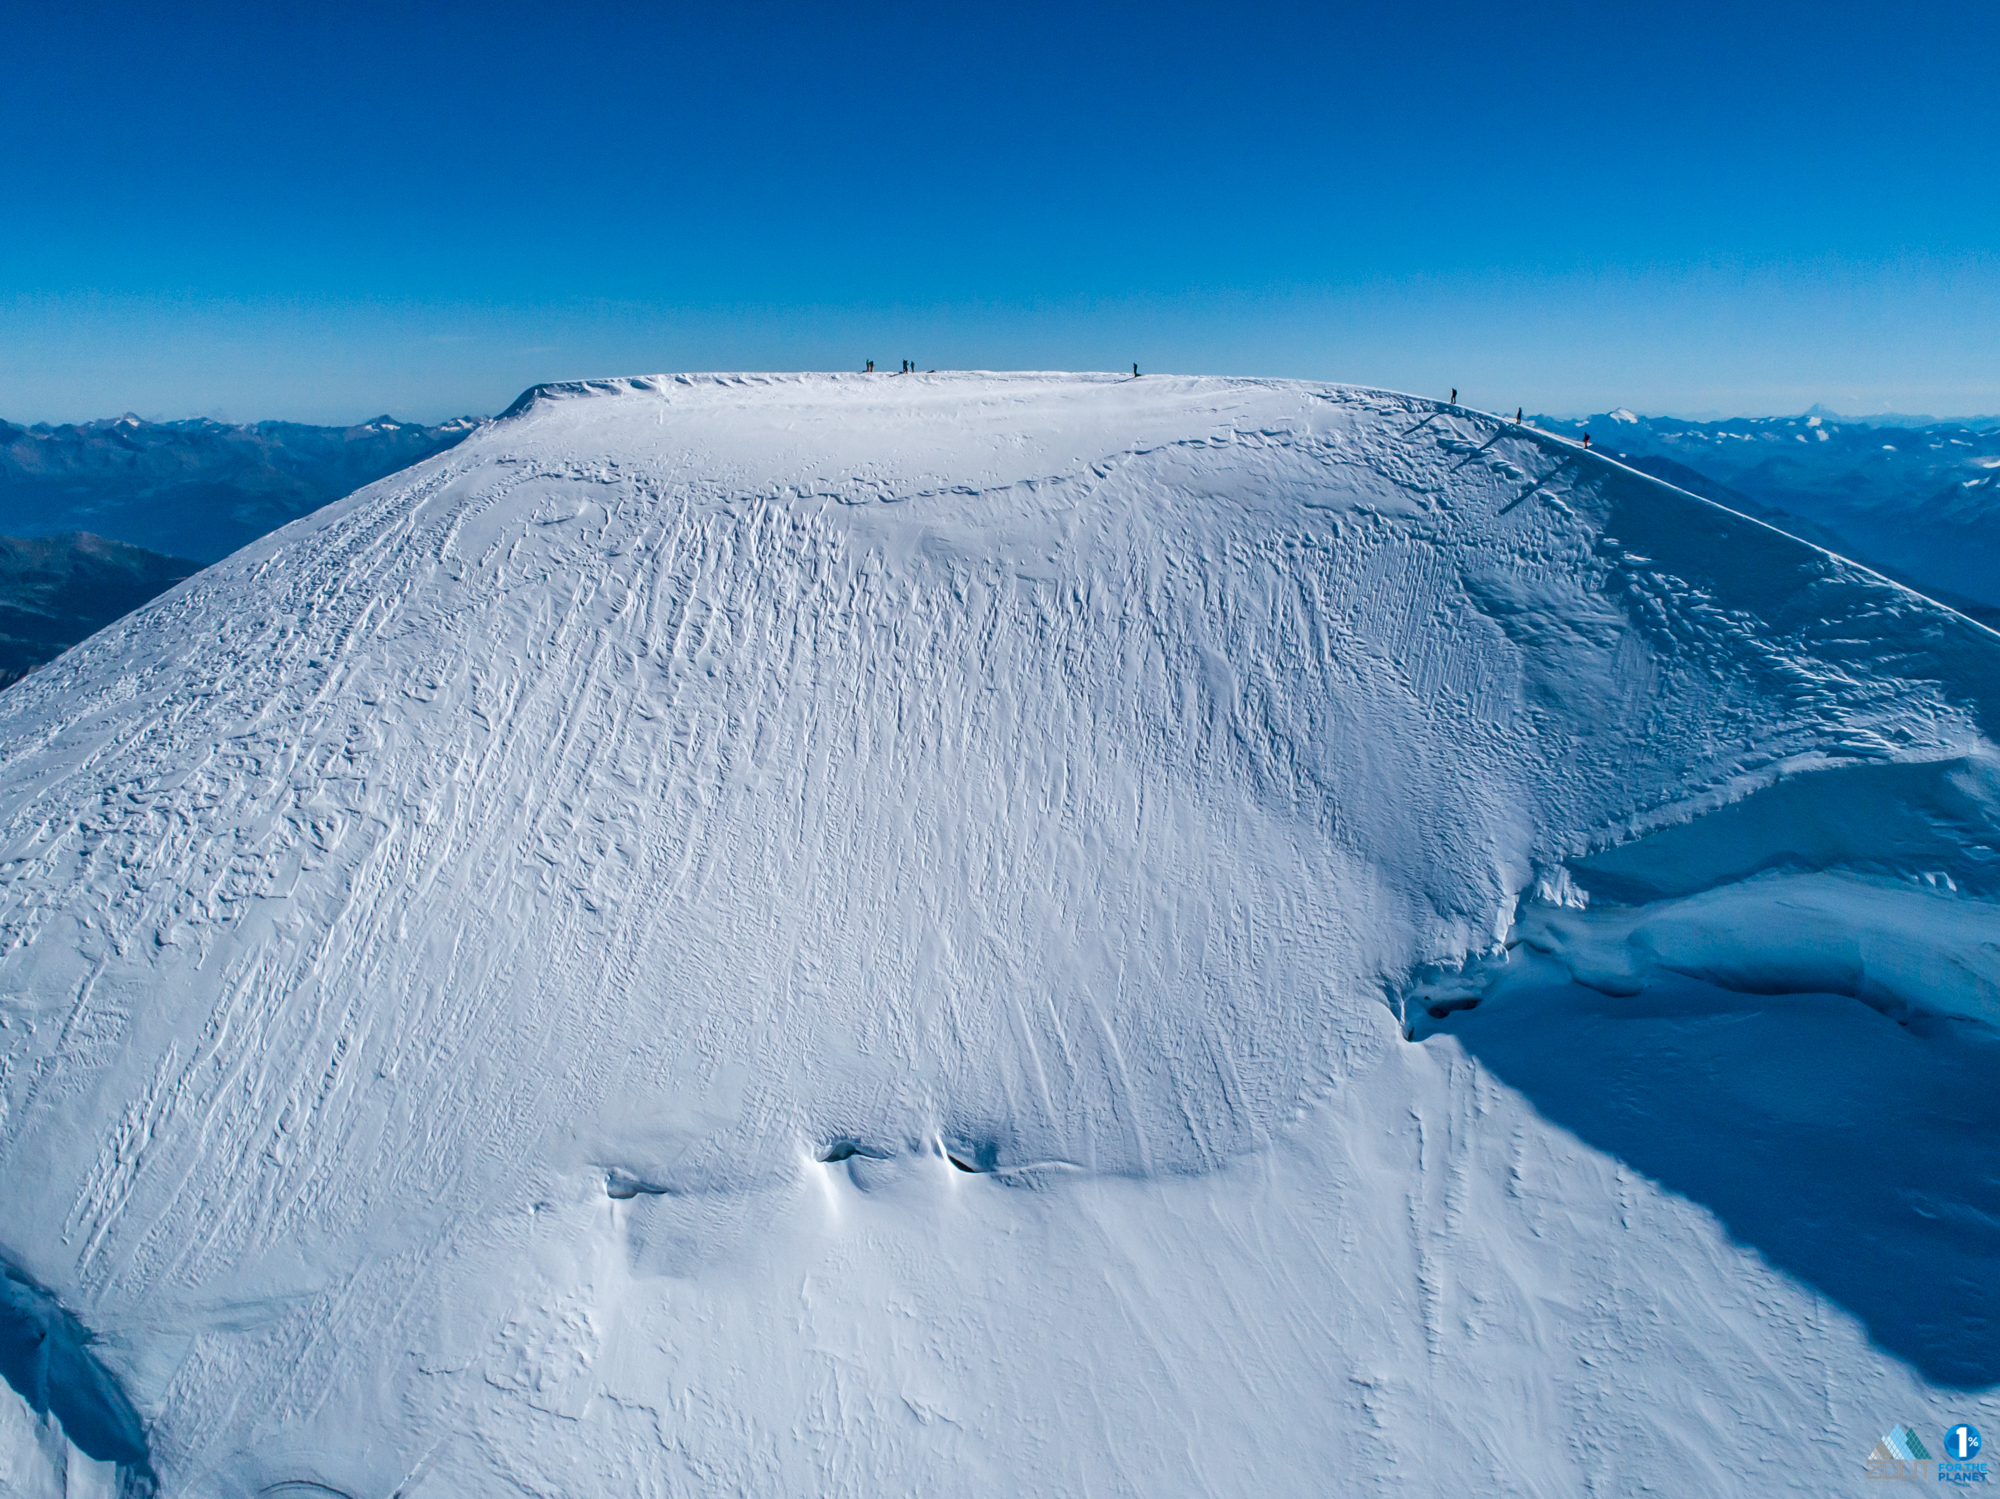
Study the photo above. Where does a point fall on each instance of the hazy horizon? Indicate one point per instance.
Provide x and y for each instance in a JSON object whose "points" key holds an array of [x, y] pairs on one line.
{"points": [[432, 418]]}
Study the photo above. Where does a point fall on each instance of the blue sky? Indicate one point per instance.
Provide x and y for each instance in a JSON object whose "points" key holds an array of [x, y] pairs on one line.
{"points": [[327, 212]]}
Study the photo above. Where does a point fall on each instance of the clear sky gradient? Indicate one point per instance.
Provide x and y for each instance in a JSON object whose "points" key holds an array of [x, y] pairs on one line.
{"points": [[326, 212]]}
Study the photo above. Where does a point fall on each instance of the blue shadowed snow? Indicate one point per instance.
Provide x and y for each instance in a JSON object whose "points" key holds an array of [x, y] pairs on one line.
{"points": [[45, 1355], [1849, 1150], [1936, 818]]}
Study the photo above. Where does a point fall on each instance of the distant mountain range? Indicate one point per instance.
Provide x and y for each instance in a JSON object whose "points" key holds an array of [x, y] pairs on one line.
{"points": [[200, 488], [123, 509], [1919, 504]]}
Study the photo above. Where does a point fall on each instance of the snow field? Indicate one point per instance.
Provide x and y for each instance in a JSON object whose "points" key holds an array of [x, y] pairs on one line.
{"points": [[443, 940]]}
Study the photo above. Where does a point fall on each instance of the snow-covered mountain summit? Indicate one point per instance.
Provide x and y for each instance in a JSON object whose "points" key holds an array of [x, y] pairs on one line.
{"points": [[826, 934]]}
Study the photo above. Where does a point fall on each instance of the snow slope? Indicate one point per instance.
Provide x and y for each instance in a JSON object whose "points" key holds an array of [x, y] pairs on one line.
{"points": [[916, 934], [1911, 495]]}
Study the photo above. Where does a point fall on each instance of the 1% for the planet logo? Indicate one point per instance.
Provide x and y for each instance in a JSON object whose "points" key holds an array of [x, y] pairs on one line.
{"points": [[1959, 1462]]}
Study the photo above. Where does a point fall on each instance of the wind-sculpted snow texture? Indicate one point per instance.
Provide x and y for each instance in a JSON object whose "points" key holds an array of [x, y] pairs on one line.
{"points": [[856, 935]]}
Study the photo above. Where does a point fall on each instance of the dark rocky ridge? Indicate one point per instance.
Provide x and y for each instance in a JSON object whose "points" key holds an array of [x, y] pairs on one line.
{"points": [[57, 590]]}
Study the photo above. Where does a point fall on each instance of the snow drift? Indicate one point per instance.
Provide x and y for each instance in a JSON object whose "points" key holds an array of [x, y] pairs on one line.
{"points": [[857, 934]]}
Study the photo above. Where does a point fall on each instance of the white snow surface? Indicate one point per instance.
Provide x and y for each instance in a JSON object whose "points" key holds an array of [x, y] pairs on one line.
{"points": [[444, 942]]}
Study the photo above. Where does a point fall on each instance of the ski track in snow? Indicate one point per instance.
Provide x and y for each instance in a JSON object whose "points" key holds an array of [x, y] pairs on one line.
{"points": [[441, 940]]}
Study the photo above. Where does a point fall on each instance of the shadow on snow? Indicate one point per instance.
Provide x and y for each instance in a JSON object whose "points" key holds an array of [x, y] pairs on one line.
{"points": [[1854, 1153]]}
